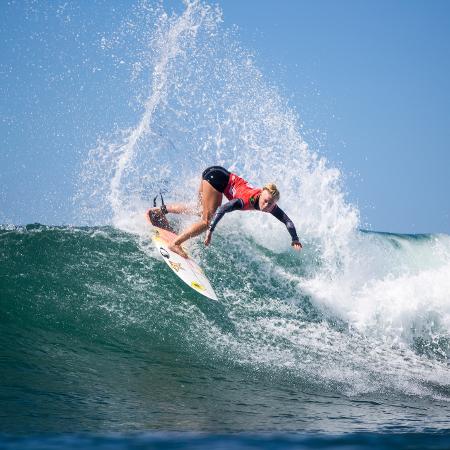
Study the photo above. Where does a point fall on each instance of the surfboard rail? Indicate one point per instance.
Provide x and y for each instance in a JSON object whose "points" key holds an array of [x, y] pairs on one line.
{"points": [[187, 269]]}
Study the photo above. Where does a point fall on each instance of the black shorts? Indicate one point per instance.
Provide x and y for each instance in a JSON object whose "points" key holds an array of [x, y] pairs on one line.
{"points": [[217, 177]]}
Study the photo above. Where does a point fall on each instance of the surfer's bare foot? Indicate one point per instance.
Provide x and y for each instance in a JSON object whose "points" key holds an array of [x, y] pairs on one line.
{"points": [[178, 250]]}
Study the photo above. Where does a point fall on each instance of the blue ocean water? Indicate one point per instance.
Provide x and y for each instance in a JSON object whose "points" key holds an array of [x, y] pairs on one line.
{"points": [[160, 441], [345, 345], [99, 337]]}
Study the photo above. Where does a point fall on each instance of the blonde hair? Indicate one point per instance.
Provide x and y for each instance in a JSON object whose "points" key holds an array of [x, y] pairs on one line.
{"points": [[273, 191]]}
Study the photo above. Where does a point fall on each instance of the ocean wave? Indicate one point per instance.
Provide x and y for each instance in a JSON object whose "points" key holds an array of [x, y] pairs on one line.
{"points": [[277, 313]]}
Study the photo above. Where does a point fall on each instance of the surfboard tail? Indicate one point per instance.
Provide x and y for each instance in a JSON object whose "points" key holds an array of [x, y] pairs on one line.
{"points": [[157, 217]]}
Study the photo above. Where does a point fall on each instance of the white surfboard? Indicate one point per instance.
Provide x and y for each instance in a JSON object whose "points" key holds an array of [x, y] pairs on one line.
{"points": [[186, 268]]}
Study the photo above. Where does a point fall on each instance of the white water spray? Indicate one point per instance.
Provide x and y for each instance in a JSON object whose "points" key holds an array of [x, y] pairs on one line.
{"points": [[207, 103]]}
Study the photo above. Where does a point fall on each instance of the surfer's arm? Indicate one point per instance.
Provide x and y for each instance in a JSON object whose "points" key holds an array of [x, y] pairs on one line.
{"points": [[232, 205], [283, 217]]}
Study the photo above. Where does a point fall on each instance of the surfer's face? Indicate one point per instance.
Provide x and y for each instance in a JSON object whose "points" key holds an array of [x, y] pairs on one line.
{"points": [[266, 201]]}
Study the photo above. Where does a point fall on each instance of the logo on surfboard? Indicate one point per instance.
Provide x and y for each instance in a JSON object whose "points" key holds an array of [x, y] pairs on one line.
{"points": [[198, 286], [175, 266], [164, 252]]}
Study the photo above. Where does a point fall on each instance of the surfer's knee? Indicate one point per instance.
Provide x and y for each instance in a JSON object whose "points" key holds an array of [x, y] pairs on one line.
{"points": [[205, 220]]}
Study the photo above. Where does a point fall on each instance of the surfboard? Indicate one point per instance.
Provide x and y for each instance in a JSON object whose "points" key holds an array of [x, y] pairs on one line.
{"points": [[185, 268]]}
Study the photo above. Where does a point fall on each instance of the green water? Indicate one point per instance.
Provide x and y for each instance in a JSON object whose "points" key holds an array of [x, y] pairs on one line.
{"points": [[99, 335]]}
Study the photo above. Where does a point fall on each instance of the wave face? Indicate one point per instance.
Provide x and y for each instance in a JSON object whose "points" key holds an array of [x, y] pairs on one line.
{"points": [[97, 334]]}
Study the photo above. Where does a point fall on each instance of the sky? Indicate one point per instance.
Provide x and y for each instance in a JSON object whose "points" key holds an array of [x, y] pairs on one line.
{"points": [[370, 81]]}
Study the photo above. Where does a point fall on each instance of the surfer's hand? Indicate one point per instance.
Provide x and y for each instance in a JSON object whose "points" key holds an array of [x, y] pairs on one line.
{"points": [[208, 238], [297, 245]]}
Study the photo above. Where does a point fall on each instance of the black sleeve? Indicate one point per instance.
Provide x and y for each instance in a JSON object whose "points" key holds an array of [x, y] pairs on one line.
{"points": [[282, 217], [232, 205]]}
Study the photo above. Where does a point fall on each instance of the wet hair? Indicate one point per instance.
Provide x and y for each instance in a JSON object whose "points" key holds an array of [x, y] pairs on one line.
{"points": [[273, 190]]}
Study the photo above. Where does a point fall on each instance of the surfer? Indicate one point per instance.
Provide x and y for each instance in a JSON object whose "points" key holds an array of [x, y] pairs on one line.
{"points": [[217, 182]]}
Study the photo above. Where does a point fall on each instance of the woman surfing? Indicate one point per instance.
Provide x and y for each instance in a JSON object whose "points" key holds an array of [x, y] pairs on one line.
{"points": [[217, 182]]}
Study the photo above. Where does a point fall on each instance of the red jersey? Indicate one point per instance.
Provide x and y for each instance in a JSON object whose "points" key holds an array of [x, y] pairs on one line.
{"points": [[237, 187]]}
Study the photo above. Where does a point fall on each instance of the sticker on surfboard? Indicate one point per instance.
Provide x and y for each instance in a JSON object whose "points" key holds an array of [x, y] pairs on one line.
{"points": [[185, 268]]}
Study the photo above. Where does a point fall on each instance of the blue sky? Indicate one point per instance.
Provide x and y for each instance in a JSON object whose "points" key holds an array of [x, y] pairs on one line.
{"points": [[373, 77], [369, 79]]}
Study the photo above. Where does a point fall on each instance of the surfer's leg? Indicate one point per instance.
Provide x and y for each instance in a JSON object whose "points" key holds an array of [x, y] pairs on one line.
{"points": [[211, 200], [197, 209], [184, 208], [181, 208], [176, 208], [200, 199]]}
